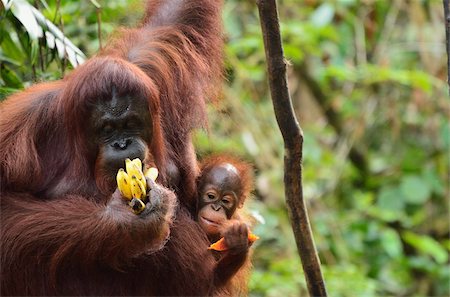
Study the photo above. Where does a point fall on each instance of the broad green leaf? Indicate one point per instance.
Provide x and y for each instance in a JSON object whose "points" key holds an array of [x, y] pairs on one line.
{"points": [[10, 78], [6, 91], [7, 4], [413, 159], [23, 12], [427, 245], [72, 56], [60, 47], [446, 244], [96, 4], [9, 60], [12, 49], [390, 198], [57, 38], [323, 15], [342, 73], [421, 80], [293, 53], [50, 38], [435, 182], [390, 240], [415, 189]]}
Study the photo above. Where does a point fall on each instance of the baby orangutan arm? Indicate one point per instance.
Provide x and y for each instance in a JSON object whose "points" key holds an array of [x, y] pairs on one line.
{"points": [[235, 234]]}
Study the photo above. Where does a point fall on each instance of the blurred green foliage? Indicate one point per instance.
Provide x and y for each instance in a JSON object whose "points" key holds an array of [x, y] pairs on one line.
{"points": [[366, 76]]}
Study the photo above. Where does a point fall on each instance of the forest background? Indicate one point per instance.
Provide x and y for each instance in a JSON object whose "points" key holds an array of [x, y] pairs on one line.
{"points": [[368, 83]]}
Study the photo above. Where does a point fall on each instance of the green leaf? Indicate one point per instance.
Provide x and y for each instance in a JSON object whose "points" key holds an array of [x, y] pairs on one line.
{"points": [[390, 240], [34, 51], [421, 80], [426, 245], [23, 12], [415, 189], [293, 53], [446, 244], [5, 92], [413, 158], [323, 15], [342, 73], [12, 49], [434, 181], [96, 4], [10, 77], [56, 38], [390, 198]]}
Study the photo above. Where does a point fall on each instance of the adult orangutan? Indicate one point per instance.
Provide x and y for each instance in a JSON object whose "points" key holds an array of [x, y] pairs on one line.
{"points": [[65, 229]]}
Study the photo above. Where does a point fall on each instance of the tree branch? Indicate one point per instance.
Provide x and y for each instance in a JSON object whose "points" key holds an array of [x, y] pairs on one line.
{"points": [[293, 142]]}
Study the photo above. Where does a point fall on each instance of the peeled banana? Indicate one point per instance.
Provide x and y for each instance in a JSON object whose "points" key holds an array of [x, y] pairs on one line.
{"points": [[135, 168], [151, 173], [138, 190], [132, 183]]}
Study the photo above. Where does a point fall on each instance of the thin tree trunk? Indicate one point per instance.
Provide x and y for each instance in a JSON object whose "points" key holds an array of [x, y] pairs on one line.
{"points": [[293, 142]]}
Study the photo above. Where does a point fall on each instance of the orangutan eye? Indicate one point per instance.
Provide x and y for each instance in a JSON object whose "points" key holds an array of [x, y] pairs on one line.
{"points": [[211, 196], [132, 124], [226, 201], [107, 129]]}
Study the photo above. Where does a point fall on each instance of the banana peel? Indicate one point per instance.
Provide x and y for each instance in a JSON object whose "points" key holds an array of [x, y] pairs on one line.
{"points": [[132, 183]]}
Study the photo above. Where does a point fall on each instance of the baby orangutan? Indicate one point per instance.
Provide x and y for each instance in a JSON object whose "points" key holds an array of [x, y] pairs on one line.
{"points": [[223, 185]]}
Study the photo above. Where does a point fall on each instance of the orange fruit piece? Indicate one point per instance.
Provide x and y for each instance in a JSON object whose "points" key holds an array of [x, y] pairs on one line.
{"points": [[252, 237], [221, 246]]}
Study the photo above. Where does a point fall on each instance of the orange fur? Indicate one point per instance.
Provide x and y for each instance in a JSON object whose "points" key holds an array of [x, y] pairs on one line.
{"points": [[239, 266], [59, 233]]}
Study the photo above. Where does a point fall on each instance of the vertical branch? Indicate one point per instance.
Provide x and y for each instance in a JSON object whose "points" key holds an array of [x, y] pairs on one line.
{"points": [[98, 8], [99, 27], [447, 37], [293, 143]]}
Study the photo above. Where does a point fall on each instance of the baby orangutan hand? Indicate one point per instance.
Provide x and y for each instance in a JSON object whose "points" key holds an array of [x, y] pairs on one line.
{"points": [[235, 235]]}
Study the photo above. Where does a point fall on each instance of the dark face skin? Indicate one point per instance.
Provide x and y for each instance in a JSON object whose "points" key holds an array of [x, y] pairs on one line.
{"points": [[122, 128], [220, 190]]}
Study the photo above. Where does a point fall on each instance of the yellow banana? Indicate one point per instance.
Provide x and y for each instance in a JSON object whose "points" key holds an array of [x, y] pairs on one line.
{"points": [[136, 205], [143, 188], [137, 189], [135, 168], [132, 184], [151, 173], [138, 163], [124, 184]]}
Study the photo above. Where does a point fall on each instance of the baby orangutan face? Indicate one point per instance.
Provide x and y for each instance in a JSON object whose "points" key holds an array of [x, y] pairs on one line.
{"points": [[219, 196]]}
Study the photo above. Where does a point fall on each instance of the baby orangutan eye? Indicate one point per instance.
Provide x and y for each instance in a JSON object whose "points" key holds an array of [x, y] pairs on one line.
{"points": [[211, 196], [227, 201]]}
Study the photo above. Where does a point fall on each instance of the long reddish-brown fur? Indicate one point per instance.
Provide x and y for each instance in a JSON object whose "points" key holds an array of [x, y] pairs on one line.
{"points": [[60, 233], [233, 271]]}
